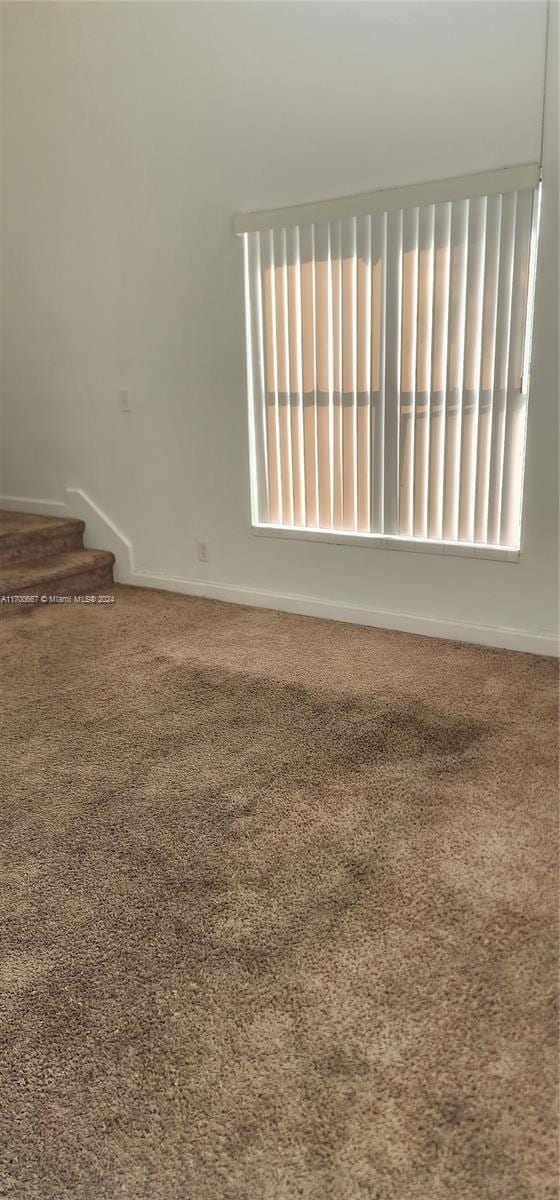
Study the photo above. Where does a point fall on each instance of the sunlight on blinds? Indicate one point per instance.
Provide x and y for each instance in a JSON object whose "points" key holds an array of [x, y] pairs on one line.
{"points": [[387, 370]]}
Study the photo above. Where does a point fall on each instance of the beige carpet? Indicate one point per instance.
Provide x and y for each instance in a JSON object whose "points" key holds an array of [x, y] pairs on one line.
{"points": [[279, 913]]}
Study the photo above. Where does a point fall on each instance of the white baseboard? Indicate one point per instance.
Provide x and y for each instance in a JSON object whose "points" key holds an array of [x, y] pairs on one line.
{"points": [[101, 533], [333, 610], [49, 508]]}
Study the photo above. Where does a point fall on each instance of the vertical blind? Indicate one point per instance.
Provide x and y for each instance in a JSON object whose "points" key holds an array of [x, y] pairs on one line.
{"points": [[388, 365]]}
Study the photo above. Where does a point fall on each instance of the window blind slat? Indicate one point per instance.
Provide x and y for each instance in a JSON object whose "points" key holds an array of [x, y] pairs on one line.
{"points": [[336, 258], [442, 277], [349, 378], [456, 352], [283, 375], [323, 373], [516, 401], [363, 373], [408, 371], [471, 370], [296, 376], [393, 369], [424, 350], [377, 367], [488, 355], [309, 380], [505, 286], [273, 434], [256, 378]]}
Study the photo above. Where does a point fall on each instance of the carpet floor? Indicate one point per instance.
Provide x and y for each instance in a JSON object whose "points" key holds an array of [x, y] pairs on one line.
{"points": [[279, 909]]}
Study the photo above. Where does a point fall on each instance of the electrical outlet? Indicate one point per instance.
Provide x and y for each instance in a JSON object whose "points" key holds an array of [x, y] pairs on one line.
{"points": [[202, 551], [124, 400]]}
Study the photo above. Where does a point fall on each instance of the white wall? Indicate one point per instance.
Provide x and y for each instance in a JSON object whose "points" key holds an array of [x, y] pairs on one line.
{"points": [[1, 246], [132, 132]]}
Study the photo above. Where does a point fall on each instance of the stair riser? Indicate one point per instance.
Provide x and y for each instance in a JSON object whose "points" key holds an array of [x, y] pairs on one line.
{"points": [[74, 585], [28, 548]]}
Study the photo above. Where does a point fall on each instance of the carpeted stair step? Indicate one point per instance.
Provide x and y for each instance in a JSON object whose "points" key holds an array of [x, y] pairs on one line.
{"points": [[71, 573], [26, 537]]}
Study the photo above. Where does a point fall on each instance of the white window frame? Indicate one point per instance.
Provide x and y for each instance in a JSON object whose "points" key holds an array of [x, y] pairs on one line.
{"points": [[484, 184]]}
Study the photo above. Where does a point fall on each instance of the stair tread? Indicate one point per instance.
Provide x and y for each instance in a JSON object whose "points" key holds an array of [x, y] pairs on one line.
{"points": [[55, 566], [17, 525]]}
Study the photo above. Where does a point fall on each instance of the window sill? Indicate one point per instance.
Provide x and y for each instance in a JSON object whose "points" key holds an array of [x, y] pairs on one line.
{"points": [[370, 541]]}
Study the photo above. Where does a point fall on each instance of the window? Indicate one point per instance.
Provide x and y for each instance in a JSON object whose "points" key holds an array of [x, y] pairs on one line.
{"points": [[388, 343]]}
